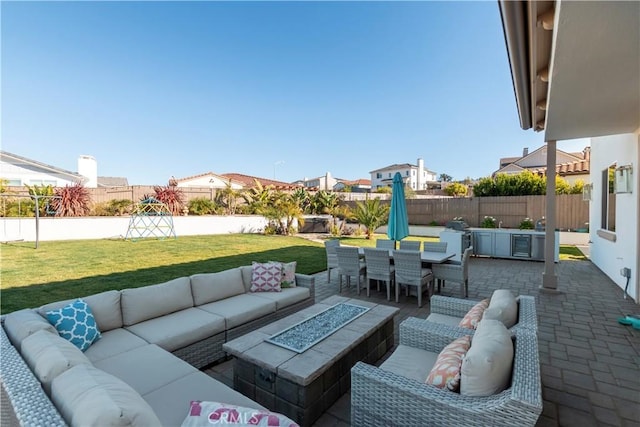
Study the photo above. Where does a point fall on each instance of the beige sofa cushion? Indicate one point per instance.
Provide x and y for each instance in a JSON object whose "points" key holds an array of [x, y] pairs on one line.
{"points": [[503, 307], [195, 386], [212, 287], [286, 297], [486, 368], [146, 368], [113, 342], [410, 362], [247, 275], [148, 302], [240, 309], [179, 329], [49, 355], [105, 307], [20, 324], [87, 396]]}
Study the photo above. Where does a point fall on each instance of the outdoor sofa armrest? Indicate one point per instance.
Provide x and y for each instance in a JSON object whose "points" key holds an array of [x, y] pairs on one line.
{"points": [[307, 281], [429, 336], [23, 398], [450, 306]]}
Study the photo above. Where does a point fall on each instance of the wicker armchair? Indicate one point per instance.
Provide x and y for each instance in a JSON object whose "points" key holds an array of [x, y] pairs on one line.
{"points": [[454, 273], [435, 246], [410, 245], [350, 265], [386, 244], [380, 397], [332, 257], [449, 311]]}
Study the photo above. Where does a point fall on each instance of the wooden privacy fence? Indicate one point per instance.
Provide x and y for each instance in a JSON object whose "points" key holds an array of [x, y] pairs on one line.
{"points": [[571, 211]]}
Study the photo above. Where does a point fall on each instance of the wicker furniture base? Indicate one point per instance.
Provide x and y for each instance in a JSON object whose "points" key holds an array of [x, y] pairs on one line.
{"points": [[304, 385]]}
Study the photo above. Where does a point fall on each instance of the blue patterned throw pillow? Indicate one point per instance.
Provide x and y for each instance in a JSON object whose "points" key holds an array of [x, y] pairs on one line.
{"points": [[75, 322]]}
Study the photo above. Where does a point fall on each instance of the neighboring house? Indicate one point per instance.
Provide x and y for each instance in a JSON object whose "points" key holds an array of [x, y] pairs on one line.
{"points": [[20, 171], [576, 73], [416, 177], [326, 182], [357, 186], [570, 166], [250, 181], [208, 180]]}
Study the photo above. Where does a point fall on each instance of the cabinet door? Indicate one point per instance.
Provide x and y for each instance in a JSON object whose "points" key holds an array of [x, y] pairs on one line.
{"points": [[483, 243], [537, 247], [502, 245]]}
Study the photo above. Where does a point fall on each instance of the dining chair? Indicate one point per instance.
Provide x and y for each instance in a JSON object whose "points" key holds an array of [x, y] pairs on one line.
{"points": [[409, 272], [332, 257], [410, 245], [379, 268], [435, 247], [386, 244], [350, 265], [454, 272]]}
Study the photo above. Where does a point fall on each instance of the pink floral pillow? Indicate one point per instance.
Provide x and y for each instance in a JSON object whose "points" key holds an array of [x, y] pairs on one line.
{"points": [[288, 274], [473, 316], [266, 277], [212, 413], [446, 371]]}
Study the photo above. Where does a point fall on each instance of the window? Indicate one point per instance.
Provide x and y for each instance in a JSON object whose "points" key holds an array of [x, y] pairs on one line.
{"points": [[389, 175], [378, 175], [608, 199], [406, 173], [14, 182]]}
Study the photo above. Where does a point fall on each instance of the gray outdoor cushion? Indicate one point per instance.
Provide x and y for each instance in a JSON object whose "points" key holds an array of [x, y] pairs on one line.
{"points": [[148, 302], [503, 307], [240, 309], [179, 329], [285, 298], [171, 402], [20, 324], [113, 342], [410, 362], [443, 318], [146, 368], [212, 287], [87, 396], [105, 307], [247, 275], [49, 355]]}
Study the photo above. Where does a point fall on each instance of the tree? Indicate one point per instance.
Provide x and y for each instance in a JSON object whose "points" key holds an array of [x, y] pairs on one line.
{"points": [[71, 200], [456, 189], [371, 214], [445, 178]]}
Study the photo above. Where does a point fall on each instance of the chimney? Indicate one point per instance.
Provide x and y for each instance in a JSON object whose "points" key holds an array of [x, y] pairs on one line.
{"points": [[587, 153], [88, 167], [525, 151], [420, 178]]}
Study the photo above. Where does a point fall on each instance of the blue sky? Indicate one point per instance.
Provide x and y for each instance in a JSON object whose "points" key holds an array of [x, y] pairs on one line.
{"points": [[284, 89]]}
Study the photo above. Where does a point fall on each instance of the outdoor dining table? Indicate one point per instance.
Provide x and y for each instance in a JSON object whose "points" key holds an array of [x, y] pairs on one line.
{"points": [[427, 257]]}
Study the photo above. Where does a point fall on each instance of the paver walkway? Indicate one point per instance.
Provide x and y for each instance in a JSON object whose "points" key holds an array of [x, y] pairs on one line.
{"points": [[590, 364]]}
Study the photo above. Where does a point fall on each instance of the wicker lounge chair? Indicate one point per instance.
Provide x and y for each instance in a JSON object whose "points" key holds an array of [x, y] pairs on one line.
{"points": [[380, 397]]}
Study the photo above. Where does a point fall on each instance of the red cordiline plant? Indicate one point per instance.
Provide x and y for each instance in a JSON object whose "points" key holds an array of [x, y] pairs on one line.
{"points": [[72, 200]]}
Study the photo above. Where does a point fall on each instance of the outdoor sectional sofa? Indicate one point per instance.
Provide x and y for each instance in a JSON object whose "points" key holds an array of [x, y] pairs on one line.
{"points": [[153, 340]]}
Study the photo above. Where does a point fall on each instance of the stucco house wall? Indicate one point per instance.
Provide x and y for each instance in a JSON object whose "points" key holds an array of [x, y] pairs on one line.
{"points": [[611, 256]]}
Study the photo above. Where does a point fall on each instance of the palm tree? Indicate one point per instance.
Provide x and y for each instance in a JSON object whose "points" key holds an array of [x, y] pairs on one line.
{"points": [[371, 214]]}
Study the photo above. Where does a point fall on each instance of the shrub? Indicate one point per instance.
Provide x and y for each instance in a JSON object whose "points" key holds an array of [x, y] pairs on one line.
{"points": [[456, 189], [171, 196], [202, 206], [526, 224], [488, 222], [72, 200]]}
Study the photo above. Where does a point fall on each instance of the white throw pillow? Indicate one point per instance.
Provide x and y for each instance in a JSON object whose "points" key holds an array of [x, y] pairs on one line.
{"points": [[486, 368], [503, 307]]}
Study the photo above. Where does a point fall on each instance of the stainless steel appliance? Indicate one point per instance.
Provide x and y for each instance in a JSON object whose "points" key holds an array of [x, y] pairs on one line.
{"points": [[521, 245]]}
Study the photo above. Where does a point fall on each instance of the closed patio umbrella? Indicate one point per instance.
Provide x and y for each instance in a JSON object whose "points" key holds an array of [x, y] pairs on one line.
{"points": [[398, 227]]}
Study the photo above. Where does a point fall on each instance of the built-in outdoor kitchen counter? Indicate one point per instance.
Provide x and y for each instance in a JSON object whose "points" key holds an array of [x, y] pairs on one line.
{"points": [[511, 243]]}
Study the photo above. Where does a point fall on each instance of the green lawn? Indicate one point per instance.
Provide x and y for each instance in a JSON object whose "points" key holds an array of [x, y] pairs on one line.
{"points": [[66, 269]]}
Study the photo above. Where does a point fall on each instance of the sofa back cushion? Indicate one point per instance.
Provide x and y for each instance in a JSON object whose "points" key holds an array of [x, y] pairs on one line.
{"points": [[212, 287], [149, 302], [486, 368], [49, 355], [105, 307], [20, 324], [87, 396], [503, 307]]}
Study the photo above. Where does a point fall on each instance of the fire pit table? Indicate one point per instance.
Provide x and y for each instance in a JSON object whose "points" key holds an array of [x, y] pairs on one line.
{"points": [[300, 365]]}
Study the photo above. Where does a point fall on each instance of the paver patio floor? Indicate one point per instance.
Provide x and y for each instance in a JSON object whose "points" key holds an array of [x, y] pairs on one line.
{"points": [[590, 364]]}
